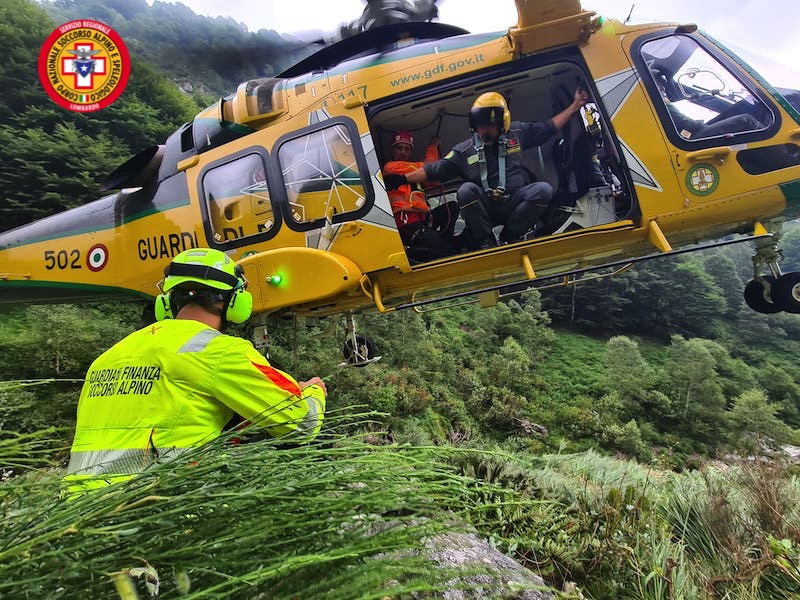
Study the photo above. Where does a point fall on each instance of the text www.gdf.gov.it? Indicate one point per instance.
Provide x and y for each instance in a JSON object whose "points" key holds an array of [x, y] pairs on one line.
{"points": [[439, 69]]}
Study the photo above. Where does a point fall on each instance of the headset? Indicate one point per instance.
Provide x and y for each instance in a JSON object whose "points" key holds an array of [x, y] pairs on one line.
{"points": [[239, 302]]}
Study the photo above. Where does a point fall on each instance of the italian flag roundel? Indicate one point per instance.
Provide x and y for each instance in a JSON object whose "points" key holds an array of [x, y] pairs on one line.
{"points": [[97, 257]]}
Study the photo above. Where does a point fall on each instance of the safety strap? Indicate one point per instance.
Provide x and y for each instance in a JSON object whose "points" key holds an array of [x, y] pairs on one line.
{"points": [[201, 272], [541, 161], [502, 150]]}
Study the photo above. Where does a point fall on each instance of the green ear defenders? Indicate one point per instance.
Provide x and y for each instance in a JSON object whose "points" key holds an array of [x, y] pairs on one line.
{"points": [[216, 273], [240, 305], [162, 308]]}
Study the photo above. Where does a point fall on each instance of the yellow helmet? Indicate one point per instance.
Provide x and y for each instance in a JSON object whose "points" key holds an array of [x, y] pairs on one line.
{"points": [[490, 109], [209, 276]]}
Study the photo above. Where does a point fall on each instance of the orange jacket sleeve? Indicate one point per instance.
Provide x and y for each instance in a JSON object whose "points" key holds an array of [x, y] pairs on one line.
{"points": [[431, 153]]}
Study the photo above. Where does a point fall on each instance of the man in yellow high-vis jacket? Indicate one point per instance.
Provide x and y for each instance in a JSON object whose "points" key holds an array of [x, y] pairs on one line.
{"points": [[176, 384]]}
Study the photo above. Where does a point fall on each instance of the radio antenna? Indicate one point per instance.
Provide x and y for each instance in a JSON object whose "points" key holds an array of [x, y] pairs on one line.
{"points": [[628, 18]]}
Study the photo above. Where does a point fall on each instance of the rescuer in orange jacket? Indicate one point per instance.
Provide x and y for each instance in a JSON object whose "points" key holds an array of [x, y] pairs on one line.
{"points": [[175, 384], [424, 231]]}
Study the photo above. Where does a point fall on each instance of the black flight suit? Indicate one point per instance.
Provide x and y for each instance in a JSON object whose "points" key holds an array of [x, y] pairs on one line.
{"points": [[524, 200]]}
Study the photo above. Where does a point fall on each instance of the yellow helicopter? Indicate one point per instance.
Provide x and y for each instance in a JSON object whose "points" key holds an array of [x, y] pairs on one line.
{"points": [[691, 145]]}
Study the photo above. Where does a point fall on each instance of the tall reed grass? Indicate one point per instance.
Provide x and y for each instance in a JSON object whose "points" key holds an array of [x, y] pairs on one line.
{"points": [[336, 518]]}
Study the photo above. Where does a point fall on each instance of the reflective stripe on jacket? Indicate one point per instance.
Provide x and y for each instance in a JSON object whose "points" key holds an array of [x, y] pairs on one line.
{"points": [[175, 385]]}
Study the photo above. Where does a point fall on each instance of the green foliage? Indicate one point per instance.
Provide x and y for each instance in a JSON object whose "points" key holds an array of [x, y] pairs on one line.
{"points": [[653, 298], [722, 269], [626, 438], [450, 375], [615, 528], [521, 318], [790, 245], [695, 390], [696, 286], [23, 29], [782, 386], [596, 525], [55, 161], [44, 354], [55, 341], [631, 377], [22, 411], [629, 532], [446, 369], [754, 424], [46, 175]]}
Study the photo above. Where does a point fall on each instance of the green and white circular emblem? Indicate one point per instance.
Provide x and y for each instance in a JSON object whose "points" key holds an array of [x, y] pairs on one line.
{"points": [[702, 179]]}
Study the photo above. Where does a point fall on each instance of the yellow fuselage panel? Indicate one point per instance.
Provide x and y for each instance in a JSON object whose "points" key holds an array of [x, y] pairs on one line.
{"points": [[490, 268], [339, 90], [128, 257], [291, 276]]}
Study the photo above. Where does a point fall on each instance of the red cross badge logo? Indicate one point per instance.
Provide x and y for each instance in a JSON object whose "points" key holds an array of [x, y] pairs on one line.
{"points": [[84, 66]]}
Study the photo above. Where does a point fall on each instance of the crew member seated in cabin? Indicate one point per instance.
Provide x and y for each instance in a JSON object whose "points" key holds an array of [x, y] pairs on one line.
{"points": [[695, 129], [426, 233], [498, 189]]}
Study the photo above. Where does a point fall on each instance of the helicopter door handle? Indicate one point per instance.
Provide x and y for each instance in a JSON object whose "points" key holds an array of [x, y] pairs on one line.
{"points": [[709, 154], [795, 133]]}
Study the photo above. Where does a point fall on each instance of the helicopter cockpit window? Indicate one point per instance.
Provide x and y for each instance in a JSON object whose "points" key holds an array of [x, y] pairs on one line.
{"points": [[702, 97], [322, 177], [237, 199]]}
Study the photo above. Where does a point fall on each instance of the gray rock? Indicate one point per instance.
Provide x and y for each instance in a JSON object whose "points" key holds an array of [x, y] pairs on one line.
{"points": [[498, 576]]}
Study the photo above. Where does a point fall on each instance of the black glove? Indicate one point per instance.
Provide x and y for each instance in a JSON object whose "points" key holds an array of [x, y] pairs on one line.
{"points": [[392, 181]]}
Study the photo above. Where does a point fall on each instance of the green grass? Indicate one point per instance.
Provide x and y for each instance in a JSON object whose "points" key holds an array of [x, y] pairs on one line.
{"points": [[338, 518], [343, 518]]}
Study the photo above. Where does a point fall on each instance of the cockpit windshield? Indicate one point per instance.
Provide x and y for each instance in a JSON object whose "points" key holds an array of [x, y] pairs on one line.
{"points": [[703, 98], [783, 77]]}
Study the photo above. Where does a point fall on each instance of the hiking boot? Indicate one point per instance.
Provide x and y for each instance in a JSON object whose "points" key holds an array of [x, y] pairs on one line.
{"points": [[508, 237], [487, 242]]}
